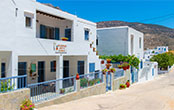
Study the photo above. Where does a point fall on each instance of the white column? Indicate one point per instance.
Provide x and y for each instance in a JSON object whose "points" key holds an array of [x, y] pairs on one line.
{"points": [[59, 72], [13, 65]]}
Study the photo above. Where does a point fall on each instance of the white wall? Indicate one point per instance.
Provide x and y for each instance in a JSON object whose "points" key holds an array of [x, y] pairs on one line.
{"points": [[117, 40], [112, 41]]}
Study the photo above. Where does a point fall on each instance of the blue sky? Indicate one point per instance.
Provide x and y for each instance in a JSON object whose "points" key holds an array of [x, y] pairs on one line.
{"points": [[147, 11]]}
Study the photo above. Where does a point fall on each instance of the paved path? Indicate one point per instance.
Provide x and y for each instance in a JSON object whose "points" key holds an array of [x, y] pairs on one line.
{"points": [[153, 95]]}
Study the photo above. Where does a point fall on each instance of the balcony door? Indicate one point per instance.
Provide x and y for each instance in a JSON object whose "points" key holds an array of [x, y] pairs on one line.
{"points": [[41, 71], [68, 34], [22, 70]]}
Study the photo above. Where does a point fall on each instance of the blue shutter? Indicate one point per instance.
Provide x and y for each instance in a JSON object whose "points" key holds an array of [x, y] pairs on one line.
{"points": [[68, 34], [57, 34], [79, 67], [141, 64], [42, 31], [86, 35], [91, 67], [3, 70]]}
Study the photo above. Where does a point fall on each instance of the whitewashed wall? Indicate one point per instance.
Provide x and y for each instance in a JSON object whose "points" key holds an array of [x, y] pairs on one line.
{"points": [[116, 40]]}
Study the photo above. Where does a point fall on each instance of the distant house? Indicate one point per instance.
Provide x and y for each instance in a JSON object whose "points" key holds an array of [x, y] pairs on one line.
{"points": [[151, 52], [120, 40]]}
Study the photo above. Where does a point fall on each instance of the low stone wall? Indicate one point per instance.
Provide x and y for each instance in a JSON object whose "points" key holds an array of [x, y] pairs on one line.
{"points": [[13, 100], [93, 90], [122, 80]]}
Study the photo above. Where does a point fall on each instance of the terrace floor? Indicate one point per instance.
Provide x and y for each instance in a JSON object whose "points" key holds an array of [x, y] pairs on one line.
{"points": [[153, 95]]}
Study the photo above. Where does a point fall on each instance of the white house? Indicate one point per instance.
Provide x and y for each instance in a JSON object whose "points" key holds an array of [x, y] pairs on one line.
{"points": [[151, 52], [120, 40], [31, 42]]}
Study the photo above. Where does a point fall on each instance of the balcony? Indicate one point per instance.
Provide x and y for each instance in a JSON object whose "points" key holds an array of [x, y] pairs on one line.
{"points": [[53, 27]]}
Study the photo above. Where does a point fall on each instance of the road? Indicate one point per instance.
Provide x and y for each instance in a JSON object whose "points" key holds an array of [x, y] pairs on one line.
{"points": [[157, 94]]}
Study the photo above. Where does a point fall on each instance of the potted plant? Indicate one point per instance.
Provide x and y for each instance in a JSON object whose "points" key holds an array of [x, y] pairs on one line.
{"points": [[112, 70], [27, 105], [77, 76], [128, 83], [108, 60], [90, 45], [104, 71], [108, 65], [102, 62], [125, 65], [96, 52], [122, 86], [64, 38], [94, 49], [119, 66], [62, 91]]}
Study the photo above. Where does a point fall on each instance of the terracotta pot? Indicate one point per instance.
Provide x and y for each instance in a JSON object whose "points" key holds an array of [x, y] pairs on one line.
{"points": [[112, 71], [119, 67], [93, 49], [125, 68], [128, 67], [102, 62], [108, 61], [127, 84], [77, 77], [90, 45]]}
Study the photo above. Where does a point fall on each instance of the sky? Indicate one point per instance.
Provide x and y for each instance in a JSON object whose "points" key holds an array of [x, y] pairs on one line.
{"points": [[146, 11]]}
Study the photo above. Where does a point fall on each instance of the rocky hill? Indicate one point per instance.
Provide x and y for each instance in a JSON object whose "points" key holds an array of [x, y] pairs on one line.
{"points": [[154, 35]]}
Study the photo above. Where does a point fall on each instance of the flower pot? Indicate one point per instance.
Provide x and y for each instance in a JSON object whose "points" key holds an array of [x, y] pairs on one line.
{"points": [[90, 45], [128, 84], [124, 68], [102, 62], [77, 77], [108, 61], [109, 72], [128, 67], [119, 67], [93, 49]]}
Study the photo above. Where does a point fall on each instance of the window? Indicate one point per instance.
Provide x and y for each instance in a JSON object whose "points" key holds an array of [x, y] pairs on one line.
{"points": [[86, 34], [47, 32], [53, 66], [28, 22], [3, 70], [68, 34], [139, 42], [132, 44], [91, 67]]}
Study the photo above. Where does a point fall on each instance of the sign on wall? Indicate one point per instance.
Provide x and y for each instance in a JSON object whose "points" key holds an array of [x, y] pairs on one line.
{"points": [[60, 48]]}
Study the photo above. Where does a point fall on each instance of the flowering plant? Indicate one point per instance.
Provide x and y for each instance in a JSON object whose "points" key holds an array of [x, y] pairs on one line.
{"points": [[64, 38], [104, 71], [27, 105], [112, 70]]}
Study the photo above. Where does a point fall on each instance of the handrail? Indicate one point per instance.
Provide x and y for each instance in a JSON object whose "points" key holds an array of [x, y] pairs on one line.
{"points": [[13, 77]]}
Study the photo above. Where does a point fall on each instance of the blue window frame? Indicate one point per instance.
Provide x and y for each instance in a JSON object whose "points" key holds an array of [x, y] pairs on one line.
{"points": [[57, 37], [91, 67], [42, 31], [68, 34], [53, 66], [86, 34], [141, 64], [3, 70]]}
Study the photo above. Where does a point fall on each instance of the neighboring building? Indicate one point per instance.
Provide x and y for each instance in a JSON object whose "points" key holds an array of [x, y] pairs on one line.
{"points": [[162, 49], [151, 52], [120, 40], [30, 39]]}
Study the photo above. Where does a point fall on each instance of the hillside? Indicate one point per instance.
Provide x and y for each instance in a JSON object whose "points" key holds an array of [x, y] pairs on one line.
{"points": [[154, 35]]}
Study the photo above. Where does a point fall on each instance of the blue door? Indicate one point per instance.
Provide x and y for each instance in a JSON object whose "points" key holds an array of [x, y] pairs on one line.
{"points": [[22, 70], [81, 67], [152, 71], [68, 34], [41, 71], [132, 75], [108, 81]]}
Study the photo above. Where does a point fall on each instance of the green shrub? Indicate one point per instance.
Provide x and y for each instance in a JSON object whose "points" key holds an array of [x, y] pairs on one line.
{"points": [[132, 60], [83, 82]]}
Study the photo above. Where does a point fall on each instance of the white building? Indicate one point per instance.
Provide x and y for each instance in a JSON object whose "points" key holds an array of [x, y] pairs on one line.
{"points": [[30, 42], [120, 40], [151, 52]]}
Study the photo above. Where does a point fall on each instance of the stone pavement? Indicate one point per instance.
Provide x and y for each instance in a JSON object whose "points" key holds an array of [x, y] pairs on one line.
{"points": [[157, 94]]}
